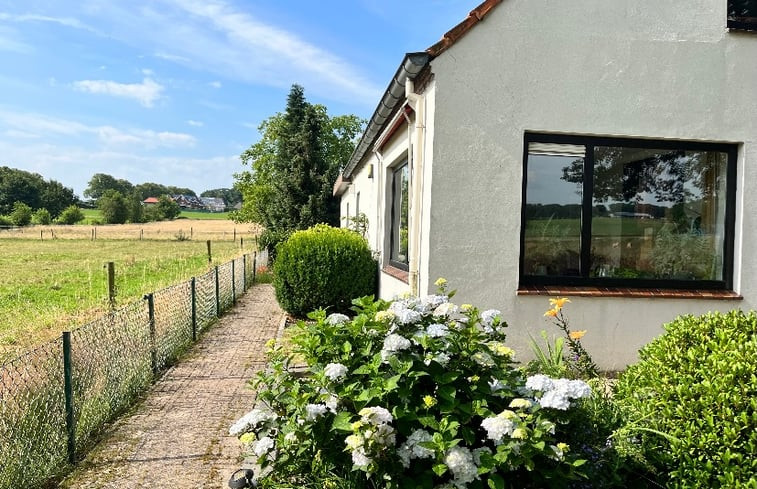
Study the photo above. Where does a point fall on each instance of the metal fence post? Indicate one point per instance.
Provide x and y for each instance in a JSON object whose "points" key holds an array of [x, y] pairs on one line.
{"points": [[194, 309], [218, 296], [244, 273], [254, 265], [151, 323], [68, 391], [233, 282]]}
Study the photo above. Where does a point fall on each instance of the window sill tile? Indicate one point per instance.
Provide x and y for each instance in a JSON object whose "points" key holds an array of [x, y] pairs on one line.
{"points": [[629, 293], [397, 273]]}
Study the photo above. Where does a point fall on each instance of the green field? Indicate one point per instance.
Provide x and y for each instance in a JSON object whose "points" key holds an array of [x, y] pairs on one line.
{"points": [[94, 215], [52, 285]]}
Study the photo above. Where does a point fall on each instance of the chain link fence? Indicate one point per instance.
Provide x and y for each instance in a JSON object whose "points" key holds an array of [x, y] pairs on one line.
{"points": [[56, 399]]}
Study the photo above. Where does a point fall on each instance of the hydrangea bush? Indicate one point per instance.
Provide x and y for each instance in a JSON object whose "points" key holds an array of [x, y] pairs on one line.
{"points": [[412, 393]]}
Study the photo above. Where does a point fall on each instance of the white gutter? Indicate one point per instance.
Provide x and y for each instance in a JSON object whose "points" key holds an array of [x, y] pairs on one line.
{"points": [[418, 104]]}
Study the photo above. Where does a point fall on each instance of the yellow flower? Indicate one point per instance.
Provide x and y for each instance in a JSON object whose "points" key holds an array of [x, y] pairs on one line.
{"points": [[498, 348], [552, 312], [353, 441], [507, 414], [466, 307], [559, 302], [577, 335], [563, 446], [382, 316], [356, 425], [429, 401], [441, 282], [247, 438], [474, 378], [519, 433]]}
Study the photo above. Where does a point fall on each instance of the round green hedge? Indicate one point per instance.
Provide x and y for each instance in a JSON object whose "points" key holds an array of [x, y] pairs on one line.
{"points": [[692, 401], [323, 267]]}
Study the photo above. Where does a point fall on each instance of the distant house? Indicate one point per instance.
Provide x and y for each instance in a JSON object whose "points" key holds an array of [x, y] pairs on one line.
{"points": [[213, 204], [188, 201], [495, 156], [150, 201]]}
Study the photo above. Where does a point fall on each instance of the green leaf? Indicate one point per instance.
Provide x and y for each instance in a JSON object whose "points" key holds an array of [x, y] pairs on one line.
{"points": [[342, 422], [447, 393], [496, 482], [439, 469]]}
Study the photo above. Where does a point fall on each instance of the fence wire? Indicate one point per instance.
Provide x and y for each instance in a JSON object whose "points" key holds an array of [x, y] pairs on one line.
{"points": [[112, 360], [32, 417]]}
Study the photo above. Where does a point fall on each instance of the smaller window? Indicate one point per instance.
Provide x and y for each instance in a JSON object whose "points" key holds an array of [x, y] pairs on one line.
{"points": [[742, 15], [398, 237], [347, 217], [357, 205]]}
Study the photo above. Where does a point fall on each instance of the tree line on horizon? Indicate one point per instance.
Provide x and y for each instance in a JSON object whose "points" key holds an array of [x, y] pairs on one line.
{"points": [[27, 198]]}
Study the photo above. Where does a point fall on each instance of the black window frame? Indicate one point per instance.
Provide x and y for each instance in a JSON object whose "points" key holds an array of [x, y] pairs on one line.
{"points": [[742, 22], [394, 214], [586, 213]]}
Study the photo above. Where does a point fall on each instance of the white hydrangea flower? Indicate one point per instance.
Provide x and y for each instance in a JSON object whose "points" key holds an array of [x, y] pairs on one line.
{"points": [[331, 403], [411, 448], [384, 316], [519, 403], [376, 415], [360, 458], [353, 441], [262, 446], [250, 421], [442, 359], [431, 302], [335, 371], [574, 389], [437, 330], [460, 462], [290, 437], [336, 318], [488, 317], [445, 310], [314, 411], [497, 427], [404, 314], [539, 382], [392, 344]]}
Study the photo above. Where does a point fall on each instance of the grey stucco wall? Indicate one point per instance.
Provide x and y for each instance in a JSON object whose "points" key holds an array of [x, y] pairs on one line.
{"points": [[623, 68]]}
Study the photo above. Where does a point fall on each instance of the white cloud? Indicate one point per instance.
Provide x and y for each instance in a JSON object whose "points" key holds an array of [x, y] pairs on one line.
{"points": [[65, 21], [215, 84], [172, 57], [146, 93], [38, 125], [195, 123]]}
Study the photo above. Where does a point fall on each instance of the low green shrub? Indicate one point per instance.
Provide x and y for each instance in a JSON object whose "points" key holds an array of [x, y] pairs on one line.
{"points": [[692, 402], [71, 215], [5, 221], [42, 216], [21, 215], [416, 393], [323, 267]]}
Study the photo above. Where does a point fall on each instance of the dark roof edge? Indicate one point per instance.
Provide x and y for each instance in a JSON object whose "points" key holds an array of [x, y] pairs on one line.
{"points": [[453, 35], [393, 96]]}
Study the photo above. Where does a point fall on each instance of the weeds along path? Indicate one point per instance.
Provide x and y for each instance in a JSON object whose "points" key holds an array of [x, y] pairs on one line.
{"points": [[178, 436]]}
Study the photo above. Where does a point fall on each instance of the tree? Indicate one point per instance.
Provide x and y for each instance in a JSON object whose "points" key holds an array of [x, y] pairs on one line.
{"points": [[136, 208], [42, 216], [167, 208], [150, 189], [113, 206], [21, 214], [71, 215], [19, 186], [55, 197], [294, 166], [101, 183]]}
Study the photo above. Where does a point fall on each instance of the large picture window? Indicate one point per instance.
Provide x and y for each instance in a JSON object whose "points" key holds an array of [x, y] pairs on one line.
{"points": [[630, 213], [398, 237], [742, 14]]}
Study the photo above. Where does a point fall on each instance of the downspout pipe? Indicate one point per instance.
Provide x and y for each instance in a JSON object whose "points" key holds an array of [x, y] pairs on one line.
{"points": [[416, 135]]}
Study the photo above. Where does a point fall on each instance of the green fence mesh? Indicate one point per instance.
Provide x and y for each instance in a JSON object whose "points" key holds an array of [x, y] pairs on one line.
{"points": [[113, 359]]}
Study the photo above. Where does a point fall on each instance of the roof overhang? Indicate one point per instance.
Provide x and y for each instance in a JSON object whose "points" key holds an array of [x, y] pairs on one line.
{"points": [[341, 185]]}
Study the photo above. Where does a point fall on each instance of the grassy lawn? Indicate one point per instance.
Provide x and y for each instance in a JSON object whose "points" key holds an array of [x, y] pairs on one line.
{"points": [[47, 286], [94, 215]]}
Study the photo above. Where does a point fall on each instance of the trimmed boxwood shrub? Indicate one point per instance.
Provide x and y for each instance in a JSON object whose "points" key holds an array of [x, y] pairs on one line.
{"points": [[323, 267], [692, 401]]}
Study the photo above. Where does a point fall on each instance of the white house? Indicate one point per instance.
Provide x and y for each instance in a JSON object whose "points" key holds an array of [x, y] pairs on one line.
{"points": [[590, 149]]}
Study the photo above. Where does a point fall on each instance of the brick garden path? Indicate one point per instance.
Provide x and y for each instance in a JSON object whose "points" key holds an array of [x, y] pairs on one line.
{"points": [[178, 436]]}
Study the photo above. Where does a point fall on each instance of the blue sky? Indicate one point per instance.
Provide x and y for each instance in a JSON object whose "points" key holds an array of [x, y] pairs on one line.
{"points": [[172, 91]]}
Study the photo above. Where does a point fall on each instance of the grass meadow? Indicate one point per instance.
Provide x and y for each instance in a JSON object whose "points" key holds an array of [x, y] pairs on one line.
{"points": [[50, 285]]}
